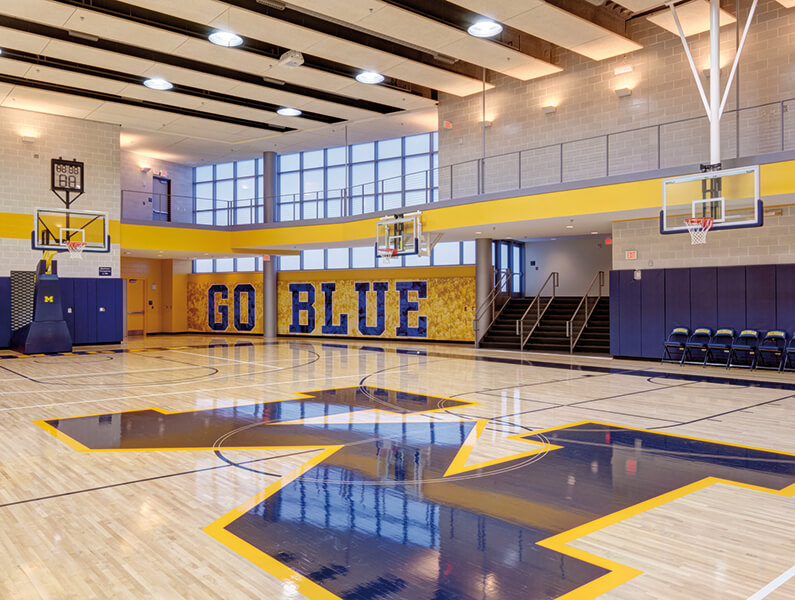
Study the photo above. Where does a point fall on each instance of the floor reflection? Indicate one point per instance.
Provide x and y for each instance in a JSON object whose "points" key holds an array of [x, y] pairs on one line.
{"points": [[377, 519]]}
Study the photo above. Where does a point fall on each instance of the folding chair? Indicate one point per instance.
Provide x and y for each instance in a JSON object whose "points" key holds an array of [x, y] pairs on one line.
{"points": [[772, 350], [789, 354], [675, 343], [719, 345], [744, 347], [696, 346]]}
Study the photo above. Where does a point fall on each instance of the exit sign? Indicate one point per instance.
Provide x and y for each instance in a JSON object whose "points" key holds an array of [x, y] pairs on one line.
{"points": [[630, 255]]}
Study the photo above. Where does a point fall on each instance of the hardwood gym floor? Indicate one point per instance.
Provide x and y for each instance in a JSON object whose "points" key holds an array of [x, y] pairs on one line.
{"points": [[212, 467]]}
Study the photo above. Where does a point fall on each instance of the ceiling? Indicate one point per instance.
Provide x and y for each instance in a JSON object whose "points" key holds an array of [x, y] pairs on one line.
{"points": [[88, 59]]}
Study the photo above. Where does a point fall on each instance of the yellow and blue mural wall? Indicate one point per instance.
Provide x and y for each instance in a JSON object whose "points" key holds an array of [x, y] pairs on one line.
{"points": [[433, 303]]}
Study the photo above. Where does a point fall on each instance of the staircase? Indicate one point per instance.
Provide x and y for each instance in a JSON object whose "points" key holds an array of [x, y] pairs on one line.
{"points": [[550, 335], [502, 334], [596, 337]]}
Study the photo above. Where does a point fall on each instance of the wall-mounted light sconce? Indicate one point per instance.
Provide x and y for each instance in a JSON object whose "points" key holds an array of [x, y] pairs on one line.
{"points": [[484, 123], [548, 110], [621, 69], [623, 92], [145, 168], [29, 139]]}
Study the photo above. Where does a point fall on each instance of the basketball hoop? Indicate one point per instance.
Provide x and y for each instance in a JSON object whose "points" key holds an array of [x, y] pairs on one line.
{"points": [[386, 253], [698, 228], [75, 249]]}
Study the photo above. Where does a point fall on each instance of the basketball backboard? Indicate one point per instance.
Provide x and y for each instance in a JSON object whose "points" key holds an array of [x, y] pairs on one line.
{"points": [[730, 197], [54, 227], [399, 234]]}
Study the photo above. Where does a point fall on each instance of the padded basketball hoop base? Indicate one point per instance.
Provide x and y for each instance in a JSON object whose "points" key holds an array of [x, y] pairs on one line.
{"points": [[698, 228]]}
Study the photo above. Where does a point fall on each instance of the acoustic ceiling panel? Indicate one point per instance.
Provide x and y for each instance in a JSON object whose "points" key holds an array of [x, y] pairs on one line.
{"points": [[693, 16], [555, 25]]}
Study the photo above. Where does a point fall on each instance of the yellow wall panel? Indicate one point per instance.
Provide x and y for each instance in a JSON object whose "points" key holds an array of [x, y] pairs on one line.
{"points": [[445, 313]]}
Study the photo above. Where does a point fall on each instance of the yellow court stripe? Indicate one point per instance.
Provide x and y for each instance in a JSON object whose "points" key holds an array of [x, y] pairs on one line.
{"points": [[459, 462], [288, 576]]}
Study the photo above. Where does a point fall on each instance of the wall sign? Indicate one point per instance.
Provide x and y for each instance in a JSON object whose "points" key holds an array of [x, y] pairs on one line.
{"points": [[105, 271]]}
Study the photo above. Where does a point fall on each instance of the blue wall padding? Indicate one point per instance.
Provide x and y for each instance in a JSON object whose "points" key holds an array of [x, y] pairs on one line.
{"points": [[643, 312]]}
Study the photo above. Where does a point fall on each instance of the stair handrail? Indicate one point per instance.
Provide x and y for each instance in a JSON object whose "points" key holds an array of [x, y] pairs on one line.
{"points": [[496, 301], [530, 324], [587, 309]]}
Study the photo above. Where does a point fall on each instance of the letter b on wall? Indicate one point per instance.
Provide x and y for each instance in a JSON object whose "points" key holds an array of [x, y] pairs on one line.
{"points": [[302, 306]]}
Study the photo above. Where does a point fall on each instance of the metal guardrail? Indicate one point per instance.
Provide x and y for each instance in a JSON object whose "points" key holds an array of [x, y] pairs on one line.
{"points": [[495, 302], [584, 310], [525, 322]]}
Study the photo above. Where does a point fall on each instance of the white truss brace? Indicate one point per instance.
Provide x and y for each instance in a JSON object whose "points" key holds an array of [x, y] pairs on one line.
{"points": [[715, 105]]}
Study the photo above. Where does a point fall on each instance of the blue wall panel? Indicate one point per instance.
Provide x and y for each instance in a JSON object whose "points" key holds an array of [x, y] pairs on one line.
{"points": [[629, 315], [652, 299], [85, 311], [785, 298], [760, 297], [703, 294], [109, 310], [643, 312], [677, 298], [68, 303], [615, 303], [731, 297], [5, 312]]}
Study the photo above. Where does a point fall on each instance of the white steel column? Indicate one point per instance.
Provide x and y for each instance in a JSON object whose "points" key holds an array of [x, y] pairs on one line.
{"points": [[714, 82]]}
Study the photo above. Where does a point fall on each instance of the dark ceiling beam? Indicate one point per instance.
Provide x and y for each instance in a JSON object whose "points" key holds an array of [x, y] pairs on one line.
{"points": [[351, 34], [105, 97], [193, 65], [73, 67], [461, 18], [598, 15], [166, 22]]}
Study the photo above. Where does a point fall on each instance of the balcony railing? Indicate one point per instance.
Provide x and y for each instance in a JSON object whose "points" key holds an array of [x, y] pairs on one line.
{"points": [[750, 131]]}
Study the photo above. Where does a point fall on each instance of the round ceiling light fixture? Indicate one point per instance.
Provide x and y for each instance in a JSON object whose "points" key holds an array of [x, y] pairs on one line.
{"points": [[485, 28], [225, 38], [369, 77], [287, 111], [156, 83]]}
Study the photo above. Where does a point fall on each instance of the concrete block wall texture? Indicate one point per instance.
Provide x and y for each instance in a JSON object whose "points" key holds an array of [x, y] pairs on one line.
{"points": [[136, 187], [663, 91], [25, 181], [773, 243]]}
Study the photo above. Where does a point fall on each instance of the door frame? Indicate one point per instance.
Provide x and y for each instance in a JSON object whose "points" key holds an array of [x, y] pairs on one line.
{"points": [[167, 181], [126, 304]]}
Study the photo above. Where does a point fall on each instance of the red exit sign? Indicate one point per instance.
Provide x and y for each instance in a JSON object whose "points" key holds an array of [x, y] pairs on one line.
{"points": [[630, 255]]}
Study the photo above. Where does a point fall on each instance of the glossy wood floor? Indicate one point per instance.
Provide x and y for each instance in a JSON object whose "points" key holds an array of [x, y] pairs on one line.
{"points": [[411, 471]]}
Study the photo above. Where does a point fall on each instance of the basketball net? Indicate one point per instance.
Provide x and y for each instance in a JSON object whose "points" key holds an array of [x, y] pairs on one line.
{"points": [[75, 249], [698, 228], [386, 253]]}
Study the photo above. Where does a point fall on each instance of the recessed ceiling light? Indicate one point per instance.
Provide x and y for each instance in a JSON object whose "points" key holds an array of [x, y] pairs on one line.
{"points": [[594, 232], [156, 83], [287, 111], [369, 77], [569, 226], [484, 29], [225, 38], [478, 232]]}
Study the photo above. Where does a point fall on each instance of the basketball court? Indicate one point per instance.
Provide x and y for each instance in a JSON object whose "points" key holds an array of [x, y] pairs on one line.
{"points": [[234, 367]]}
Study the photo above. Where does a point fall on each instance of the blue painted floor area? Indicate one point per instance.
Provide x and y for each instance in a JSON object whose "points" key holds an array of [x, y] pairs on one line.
{"points": [[377, 519]]}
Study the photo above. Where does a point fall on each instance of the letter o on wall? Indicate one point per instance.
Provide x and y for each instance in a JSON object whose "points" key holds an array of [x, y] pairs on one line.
{"points": [[251, 299]]}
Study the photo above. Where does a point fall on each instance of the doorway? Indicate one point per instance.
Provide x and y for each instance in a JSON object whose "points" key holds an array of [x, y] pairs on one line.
{"points": [[161, 199], [136, 304]]}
